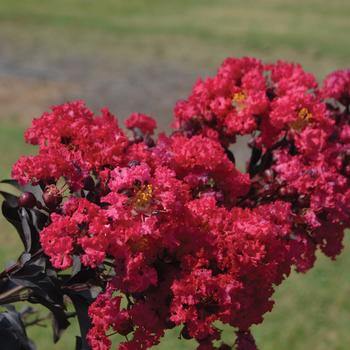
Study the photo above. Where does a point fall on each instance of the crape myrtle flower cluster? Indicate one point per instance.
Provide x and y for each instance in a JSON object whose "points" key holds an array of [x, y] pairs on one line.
{"points": [[182, 237]]}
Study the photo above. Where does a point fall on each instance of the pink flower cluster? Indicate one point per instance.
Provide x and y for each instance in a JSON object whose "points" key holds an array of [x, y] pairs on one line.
{"points": [[180, 236]]}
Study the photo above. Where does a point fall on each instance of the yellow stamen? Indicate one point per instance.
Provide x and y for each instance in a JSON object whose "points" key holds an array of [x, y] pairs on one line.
{"points": [[238, 99], [304, 117], [143, 196], [141, 244]]}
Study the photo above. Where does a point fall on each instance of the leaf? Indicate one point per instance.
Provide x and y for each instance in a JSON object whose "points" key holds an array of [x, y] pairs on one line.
{"points": [[37, 221], [34, 276], [28, 223], [6, 285], [45, 289], [59, 323], [10, 198], [12, 182], [266, 160], [254, 159], [60, 320], [76, 265], [12, 215], [230, 155], [27, 232], [24, 258], [36, 190], [83, 276], [12, 332], [78, 343], [81, 301]]}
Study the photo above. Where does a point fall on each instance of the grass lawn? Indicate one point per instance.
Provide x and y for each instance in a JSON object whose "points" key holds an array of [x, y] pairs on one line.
{"points": [[312, 310], [314, 32]]}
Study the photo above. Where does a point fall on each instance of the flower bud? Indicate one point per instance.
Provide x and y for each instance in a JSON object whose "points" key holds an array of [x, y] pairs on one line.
{"points": [[27, 200], [52, 197]]}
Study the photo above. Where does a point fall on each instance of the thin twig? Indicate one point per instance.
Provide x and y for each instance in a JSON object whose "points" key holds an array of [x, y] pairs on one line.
{"points": [[37, 321], [18, 265], [10, 294]]}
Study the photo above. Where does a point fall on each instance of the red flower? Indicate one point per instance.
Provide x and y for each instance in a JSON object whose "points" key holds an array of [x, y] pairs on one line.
{"points": [[173, 225], [142, 121]]}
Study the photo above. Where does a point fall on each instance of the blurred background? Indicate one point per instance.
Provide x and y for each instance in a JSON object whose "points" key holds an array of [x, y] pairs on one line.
{"points": [[143, 55]]}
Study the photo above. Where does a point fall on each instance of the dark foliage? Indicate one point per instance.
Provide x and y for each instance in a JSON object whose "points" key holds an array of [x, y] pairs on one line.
{"points": [[34, 280]]}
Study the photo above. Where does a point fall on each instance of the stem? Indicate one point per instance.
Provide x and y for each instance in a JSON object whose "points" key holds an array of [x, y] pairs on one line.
{"points": [[109, 335], [47, 317], [11, 292], [18, 265], [37, 320], [109, 264], [79, 287], [13, 295], [15, 299]]}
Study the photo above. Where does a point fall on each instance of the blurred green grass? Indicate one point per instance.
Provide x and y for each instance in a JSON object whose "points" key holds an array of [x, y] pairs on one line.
{"points": [[313, 310], [314, 32]]}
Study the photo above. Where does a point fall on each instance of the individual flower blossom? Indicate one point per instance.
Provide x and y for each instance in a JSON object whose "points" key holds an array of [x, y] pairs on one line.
{"points": [[203, 164], [82, 226], [104, 313], [59, 246], [126, 177], [138, 275], [250, 103], [145, 123], [286, 77], [311, 141], [337, 86], [231, 101], [296, 110], [72, 143]]}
